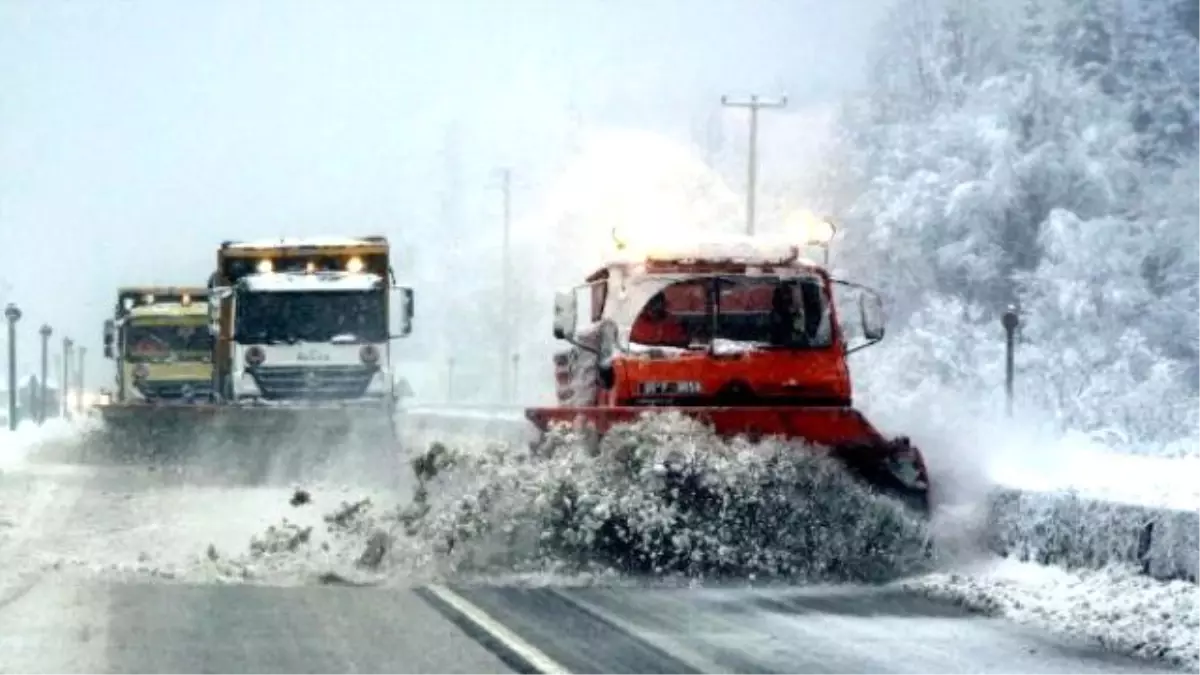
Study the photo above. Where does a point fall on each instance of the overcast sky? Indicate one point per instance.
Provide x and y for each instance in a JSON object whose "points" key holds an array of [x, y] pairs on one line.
{"points": [[137, 135]]}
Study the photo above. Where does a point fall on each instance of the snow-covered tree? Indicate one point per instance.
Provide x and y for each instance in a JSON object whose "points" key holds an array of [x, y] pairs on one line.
{"points": [[1042, 154]]}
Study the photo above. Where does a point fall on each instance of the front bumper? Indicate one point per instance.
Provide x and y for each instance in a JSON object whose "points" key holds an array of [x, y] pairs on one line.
{"points": [[172, 391]]}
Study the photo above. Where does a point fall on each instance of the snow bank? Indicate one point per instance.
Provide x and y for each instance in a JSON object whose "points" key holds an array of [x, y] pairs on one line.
{"points": [[1070, 530], [1114, 606], [1077, 462]]}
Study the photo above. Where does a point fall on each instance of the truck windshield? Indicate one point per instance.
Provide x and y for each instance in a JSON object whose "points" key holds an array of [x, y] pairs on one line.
{"points": [[757, 312], [163, 343], [325, 316]]}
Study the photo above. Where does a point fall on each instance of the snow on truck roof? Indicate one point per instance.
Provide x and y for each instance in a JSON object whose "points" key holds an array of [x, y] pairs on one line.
{"points": [[737, 249], [317, 281], [306, 242], [170, 309]]}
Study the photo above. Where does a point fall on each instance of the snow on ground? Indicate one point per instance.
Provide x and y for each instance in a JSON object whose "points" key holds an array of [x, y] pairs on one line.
{"points": [[58, 512], [559, 514], [1115, 607], [201, 534], [1079, 463]]}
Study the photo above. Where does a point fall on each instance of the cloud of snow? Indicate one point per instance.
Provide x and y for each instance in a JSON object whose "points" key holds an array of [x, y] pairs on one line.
{"points": [[662, 497], [30, 439]]}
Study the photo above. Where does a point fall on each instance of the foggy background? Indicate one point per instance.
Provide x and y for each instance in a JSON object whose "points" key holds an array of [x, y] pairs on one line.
{"points": [[136, 136]]}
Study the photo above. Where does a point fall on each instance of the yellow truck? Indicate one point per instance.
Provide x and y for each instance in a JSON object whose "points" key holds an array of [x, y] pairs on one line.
{"points": [[159, 341]]}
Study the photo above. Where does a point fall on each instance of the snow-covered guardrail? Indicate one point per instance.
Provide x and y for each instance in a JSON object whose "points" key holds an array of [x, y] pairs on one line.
{"points": [[421, 425], [1074, 530]]}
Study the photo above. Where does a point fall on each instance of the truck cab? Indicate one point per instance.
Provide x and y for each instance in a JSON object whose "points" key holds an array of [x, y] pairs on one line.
{"points": [[726, 326], [743, 336], [159, 340], [306, 322]]}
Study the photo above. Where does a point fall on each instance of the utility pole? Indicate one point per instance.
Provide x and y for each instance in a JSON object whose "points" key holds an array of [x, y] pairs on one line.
{"points": [[1010, 320], [754, 103], [79, 380], [450, 380], [13, 314], [66, 378], [506, 288], [44, 394]]}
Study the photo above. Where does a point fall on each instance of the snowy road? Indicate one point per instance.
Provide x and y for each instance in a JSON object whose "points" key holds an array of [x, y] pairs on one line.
{"points": [[103, 569], [67, 624], [831, 630]]}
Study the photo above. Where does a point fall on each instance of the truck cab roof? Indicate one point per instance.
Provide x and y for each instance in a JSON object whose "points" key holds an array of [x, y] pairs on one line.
{"points": [[713, 255]]}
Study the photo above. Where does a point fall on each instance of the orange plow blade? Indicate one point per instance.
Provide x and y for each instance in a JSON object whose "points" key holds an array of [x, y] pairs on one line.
{"points": [[890, 465]]}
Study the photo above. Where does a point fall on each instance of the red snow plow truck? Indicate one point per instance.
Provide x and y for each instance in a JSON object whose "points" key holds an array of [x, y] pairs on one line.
{"points": [[743, 335]]}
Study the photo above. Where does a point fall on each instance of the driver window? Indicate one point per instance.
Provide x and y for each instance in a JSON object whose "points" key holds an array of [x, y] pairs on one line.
{"points": [[599, 295], [585, 306]]}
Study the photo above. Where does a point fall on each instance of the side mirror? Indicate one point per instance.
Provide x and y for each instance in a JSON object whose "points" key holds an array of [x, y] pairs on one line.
{"points": [[109, 331], [870, 308], [406, 310], [565, 315]]}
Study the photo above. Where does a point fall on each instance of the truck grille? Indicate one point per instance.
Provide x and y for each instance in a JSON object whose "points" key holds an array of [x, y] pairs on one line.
{"points": [[322, 383], [174, 390]]}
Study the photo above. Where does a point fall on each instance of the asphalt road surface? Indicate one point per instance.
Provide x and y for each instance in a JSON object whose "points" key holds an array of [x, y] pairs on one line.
{"points": [[59, 623]]}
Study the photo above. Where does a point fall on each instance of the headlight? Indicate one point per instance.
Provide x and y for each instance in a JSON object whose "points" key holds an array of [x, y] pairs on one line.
{"points": [[265, 266], [369, 354], [141, 371], [255, 356], [354, 265]]}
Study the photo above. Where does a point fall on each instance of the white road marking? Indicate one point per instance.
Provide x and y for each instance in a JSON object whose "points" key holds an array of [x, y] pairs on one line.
{"points": [[535, 657]]}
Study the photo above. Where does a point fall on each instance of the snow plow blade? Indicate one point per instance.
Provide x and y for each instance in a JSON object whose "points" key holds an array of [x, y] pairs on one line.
{"points": [[891, 466], [257, 443]]}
